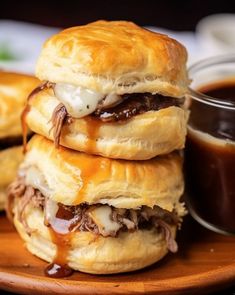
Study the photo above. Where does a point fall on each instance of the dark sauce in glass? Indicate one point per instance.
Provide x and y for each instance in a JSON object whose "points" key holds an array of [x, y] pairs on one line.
{"points": [[210, 159]]}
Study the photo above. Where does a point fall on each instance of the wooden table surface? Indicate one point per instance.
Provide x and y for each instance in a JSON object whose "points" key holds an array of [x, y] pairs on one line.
{"points": [[205, 263]]}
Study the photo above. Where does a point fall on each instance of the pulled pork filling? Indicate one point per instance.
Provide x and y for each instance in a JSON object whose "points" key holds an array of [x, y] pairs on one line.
{"points": [[59, 118], [130, 105], [127, 106], [99, 219], [135, 104]]}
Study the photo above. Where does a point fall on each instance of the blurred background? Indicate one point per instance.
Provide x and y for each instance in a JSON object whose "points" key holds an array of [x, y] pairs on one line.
{"points": [[178, 15], [206, 27]]}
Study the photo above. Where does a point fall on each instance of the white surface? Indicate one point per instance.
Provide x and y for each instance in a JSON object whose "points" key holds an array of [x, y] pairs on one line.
{"points": [[216, 34], [24, 40]]}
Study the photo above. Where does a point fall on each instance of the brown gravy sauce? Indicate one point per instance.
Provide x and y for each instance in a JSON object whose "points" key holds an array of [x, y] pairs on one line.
{"points": [[26, 110], [61, 236], [10, 141], [92, 128], [59, 268], [210, 160], [24, 127]]}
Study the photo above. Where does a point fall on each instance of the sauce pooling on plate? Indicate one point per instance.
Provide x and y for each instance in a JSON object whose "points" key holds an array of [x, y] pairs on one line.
{"points": [[59, 268], [61, 236], [210, 158]]}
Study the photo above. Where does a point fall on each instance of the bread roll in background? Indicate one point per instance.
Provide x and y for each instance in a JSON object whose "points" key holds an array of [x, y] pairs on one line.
{"points": [[14, 90]]}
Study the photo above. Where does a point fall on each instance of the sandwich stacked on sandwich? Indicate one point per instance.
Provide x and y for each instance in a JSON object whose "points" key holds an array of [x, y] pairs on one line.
{"points": [[100, 185], [14, 89]]}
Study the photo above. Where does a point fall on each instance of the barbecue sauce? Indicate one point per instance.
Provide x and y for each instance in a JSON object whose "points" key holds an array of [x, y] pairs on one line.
{"points": [[59, 268], [210, 159], [93, 128], [61, 236], [45, 85]]}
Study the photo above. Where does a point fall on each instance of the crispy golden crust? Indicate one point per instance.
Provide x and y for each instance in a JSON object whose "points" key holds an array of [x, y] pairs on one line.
{"points": [[10, 159], [118, 57], [14, 90], [139, 138], [73, 177], [91, 253]]}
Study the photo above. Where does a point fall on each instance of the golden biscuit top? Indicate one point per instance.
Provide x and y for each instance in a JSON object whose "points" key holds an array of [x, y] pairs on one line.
{"points": [[116, 56], [71, 177]]}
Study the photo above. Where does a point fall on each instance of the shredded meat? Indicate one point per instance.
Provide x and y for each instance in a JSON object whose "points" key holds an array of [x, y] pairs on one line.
{"points": [[171, 243], [24, 201], [15, 190], [86, 224], [129, 106], [58, 119], [129, 220], [78, 218], [38, 200], [134, 104], [44, 85], [28, 195]]}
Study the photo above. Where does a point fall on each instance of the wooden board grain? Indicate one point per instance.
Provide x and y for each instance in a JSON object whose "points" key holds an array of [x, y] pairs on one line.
{"points": [[205, 262]]}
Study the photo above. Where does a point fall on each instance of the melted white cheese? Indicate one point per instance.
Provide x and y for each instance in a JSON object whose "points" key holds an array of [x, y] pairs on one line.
{"points": [[102, 217], [80, 102], [36, 179], [110, 100], [51, 208]]}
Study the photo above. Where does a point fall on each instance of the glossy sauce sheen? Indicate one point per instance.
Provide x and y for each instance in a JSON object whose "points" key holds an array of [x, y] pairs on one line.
{"points": [[210, 162], [24, 126], [59, 268], [101, 169], [92, 174], [27, 110], [11, 141], [93, 127]]}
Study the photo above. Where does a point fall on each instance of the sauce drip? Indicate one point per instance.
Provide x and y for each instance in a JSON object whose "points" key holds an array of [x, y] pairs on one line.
{"points": [[93, 128], [10, 141], [61, 237], [134, 104], [24, 127], [95, 173], [55, 270], [26, 110], [210, 160], [59, 268]]}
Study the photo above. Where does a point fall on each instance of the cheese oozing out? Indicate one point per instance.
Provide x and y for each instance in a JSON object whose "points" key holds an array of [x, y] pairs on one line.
{"points": [[102, 217], [35, 178], [80, 102]]}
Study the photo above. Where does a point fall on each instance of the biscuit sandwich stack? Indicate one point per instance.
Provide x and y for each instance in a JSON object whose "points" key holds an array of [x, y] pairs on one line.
{"points": [[99, 189]]}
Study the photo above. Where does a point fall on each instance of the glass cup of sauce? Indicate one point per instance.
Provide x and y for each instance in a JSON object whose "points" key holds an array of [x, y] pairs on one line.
{"points": [[210, 145]]}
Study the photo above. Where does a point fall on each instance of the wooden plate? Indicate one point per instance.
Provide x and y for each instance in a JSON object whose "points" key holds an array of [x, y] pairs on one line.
{"points": [[205, 262]]}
